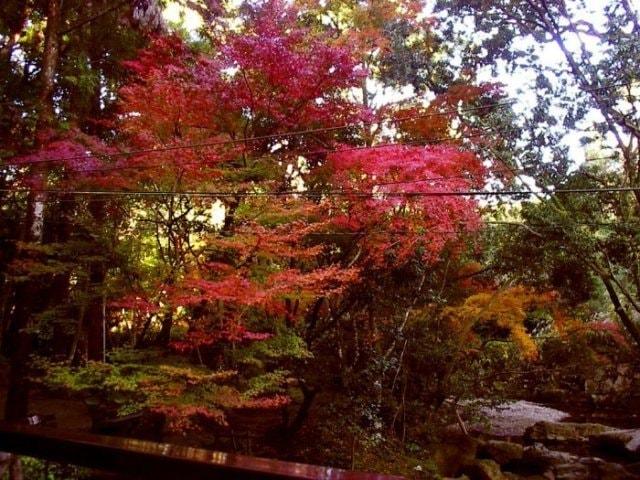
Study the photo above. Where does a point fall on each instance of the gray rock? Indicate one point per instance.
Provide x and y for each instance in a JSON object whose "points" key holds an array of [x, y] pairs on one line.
{"points": [[605, 470], [484, 470], [457, 451], [541, 457], [511, 419], [548, 475], [557, 432], [572, 471], [634, 468], [511, 476], [624, 442], [566, 466], [611, 385], [613, 471], [501, 452]]}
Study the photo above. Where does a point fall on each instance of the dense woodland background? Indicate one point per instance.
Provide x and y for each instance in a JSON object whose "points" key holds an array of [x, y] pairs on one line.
{"points": [[316, 230]]}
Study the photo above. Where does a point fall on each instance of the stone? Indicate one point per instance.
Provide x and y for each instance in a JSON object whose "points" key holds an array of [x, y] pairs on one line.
{"points": [[620, 442], [611, 385], [511, 476], [451, 455], [542, 458], [484, 470], [559, 432], [501, 452], [511, 419], [566, 466], [607, 471], [612, 471], [548, 475], [634, 468], [571, 471]]}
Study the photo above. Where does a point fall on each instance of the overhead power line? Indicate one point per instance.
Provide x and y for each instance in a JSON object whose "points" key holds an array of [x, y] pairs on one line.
{"points": [[330, 193], [272, 136], [418, 143], [481, 223]]}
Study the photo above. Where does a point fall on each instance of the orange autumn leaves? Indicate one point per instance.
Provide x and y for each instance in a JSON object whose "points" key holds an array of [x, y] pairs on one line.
{"points": [[503, 311]]}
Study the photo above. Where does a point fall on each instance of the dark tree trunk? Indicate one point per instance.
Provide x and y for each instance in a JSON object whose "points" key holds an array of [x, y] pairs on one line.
{"points": [[308, 396], [17, 342], [164, 337], [95, 316], [17, 347], [29, 295], [57, 295], [630, 326], [141, 340], [50, 62]]}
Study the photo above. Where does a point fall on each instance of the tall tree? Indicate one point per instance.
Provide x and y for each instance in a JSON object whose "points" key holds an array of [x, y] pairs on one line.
{"points": [[596, 77]]}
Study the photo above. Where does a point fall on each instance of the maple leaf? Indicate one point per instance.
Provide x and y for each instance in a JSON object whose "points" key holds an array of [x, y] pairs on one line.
{"points": [[392, 195]]}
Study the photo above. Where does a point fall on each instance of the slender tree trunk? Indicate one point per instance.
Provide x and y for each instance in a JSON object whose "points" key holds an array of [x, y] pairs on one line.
{"points": [[164, 337], [140, 341], [308, 396], [631, 327], [95, 319], [28, 298], [16, 343], [50, 62], [73, 350], [17, 347]]}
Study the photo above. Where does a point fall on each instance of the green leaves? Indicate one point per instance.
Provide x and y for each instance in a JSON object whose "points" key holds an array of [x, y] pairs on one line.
{"points": [[267, 384]]}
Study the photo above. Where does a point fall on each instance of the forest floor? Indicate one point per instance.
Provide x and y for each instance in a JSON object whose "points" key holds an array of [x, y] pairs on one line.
{"points": [[508, 424]]}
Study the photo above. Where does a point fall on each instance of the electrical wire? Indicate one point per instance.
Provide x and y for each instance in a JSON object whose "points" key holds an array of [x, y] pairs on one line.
{"points": [[272, 136], [419, 143], [330, 193]]}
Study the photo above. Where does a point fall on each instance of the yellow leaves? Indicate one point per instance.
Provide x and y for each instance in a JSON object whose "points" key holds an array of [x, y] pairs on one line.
{"points": [[528, 347], [503, 310]]}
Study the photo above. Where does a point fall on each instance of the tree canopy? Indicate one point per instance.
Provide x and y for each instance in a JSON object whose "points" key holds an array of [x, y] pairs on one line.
{"points": [[299, 203]]}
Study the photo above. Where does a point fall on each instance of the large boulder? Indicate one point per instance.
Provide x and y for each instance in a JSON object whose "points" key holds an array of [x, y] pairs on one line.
{"points": [[566, 466], [618, 442], [571, 471], [540, 458], [559, 432], [501, 452], [612, 385], [484, 470], [598, 468], [511, 419], [634, 468], [452, 454]]}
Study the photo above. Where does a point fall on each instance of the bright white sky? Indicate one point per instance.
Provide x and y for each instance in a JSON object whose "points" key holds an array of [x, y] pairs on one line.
{"points": [[174, 13]]}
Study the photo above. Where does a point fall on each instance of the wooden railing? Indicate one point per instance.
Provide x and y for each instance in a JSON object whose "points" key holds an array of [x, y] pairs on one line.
{"points": [[144, 459]]}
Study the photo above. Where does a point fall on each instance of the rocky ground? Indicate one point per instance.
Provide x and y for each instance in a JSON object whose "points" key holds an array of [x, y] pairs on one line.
{"points": [[522, 440]]}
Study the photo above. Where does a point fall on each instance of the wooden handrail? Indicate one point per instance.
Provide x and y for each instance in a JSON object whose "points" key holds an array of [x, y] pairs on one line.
{"points": [[157, 460]]}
